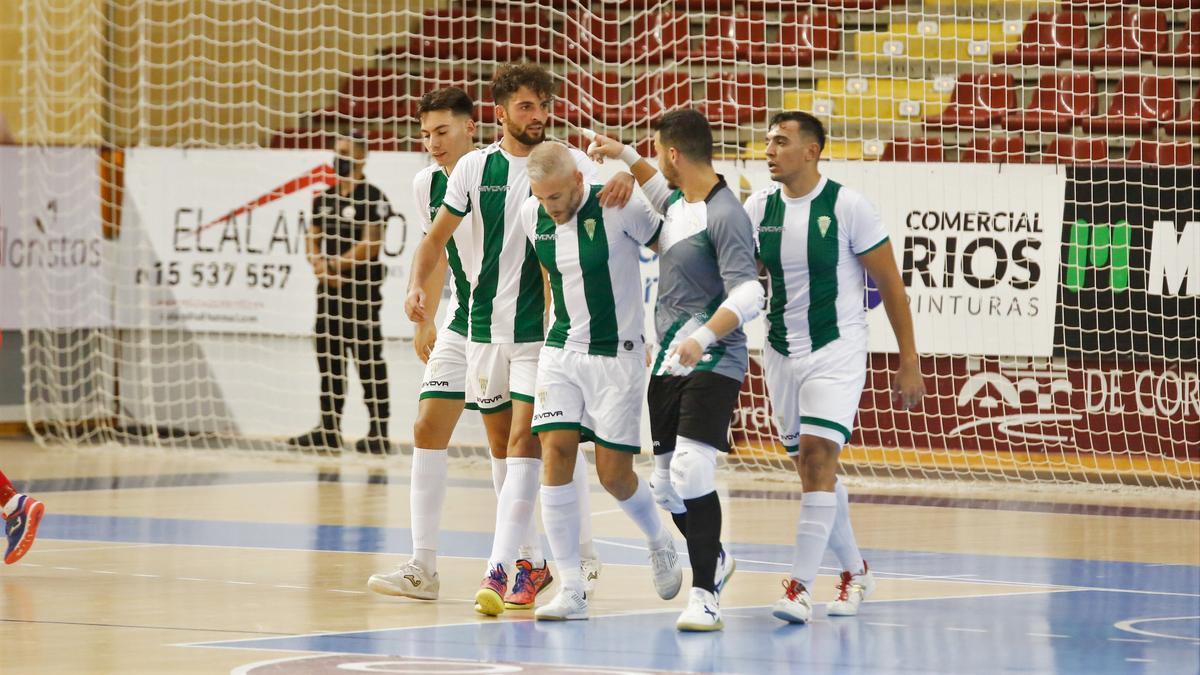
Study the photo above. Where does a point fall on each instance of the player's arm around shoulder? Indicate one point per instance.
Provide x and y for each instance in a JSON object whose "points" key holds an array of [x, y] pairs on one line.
{"points": [[639, 222]]}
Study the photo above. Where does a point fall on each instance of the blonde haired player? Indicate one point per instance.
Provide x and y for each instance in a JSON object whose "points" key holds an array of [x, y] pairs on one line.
{"points": [[816, 238]]}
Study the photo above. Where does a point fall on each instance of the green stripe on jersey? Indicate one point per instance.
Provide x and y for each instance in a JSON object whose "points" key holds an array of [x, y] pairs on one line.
{"points": [[547, 250], [597, 283], [462, 288], [491, 207], [770, 237], [531, 300], [822, 267]]}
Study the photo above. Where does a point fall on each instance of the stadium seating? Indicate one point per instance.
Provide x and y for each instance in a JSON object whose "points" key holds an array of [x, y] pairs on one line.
{"points": [[803, 38], [445, 34], [833, 150], [1076, 151], [1189, 124], [586, 35], [913, 150], [587, 97], [1129, 38], [1162, 153], [1186, 53], [463, 77], [728, 37], [1048, 38], [995, 150], [1060, 101], [374, 94], [516, 34], [652, 94], [959, 42], [978, 102], [859, 100], [733, 99], [1141, 103], [302, 139], [655, 36]]}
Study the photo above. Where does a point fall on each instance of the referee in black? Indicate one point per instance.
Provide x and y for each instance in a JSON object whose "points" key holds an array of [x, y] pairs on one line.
{"points": [[344, 240]]}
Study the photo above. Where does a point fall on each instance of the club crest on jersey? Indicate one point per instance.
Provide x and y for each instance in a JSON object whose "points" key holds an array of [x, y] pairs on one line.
{"points": [[823, 223], [589, 226]]}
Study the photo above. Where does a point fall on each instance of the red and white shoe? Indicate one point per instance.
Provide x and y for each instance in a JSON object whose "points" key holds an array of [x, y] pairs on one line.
{"points": [[796, 604], [852, 589]]}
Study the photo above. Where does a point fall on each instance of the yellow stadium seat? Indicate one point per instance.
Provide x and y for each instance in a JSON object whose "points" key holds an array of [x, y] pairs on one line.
{"points": [[955, 42], [859, 100], [833, 150]]}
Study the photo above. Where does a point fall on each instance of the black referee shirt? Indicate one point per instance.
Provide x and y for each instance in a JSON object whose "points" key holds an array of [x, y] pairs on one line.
{"points": [[343, 222]]}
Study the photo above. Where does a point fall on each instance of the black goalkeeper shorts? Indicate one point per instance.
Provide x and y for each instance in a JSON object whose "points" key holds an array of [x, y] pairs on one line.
{"points": [[699, 406]]}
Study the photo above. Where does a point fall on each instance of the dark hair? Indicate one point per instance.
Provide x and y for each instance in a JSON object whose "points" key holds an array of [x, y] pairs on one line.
{"points": [[512, 76], [689, 132], [358, 138], [808, 124], [453, 99]]}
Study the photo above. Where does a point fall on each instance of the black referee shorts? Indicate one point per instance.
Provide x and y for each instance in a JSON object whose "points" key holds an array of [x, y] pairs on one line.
{"points": [[699, 406]]}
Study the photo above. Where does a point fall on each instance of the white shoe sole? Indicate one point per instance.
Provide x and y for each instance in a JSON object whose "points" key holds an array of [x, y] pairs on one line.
{"points": [[574, 616], [841, 609], [785, 614], [689, 627], [384, 587]]}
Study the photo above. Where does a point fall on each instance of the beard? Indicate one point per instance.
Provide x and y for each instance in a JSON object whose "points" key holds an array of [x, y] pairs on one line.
{"points": [[529, 138]]}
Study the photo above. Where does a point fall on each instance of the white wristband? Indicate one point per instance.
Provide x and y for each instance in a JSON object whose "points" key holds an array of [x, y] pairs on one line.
{"points": [[704, 336], [630, 156]]}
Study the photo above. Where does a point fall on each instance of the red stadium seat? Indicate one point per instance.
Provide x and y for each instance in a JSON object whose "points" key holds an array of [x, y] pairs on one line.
{"points": [[655, 36], [1076, 151], [978, 102], [374, 94], [913, 150], [1187, 51], [1059, 102], [587, 98], [855, 4], [1129, 37], [479, 89], [518, 34], [735, 99], [303, 139], [803, 37], [1162, 153], [652, 94], [1189, 125], [730, 37], [386, 141], [1141, 103], [585, 35], [995, 150], [1048, 39], [446, 34], [696, 6]]}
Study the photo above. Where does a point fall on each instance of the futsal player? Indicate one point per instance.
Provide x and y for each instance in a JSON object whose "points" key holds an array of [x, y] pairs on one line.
{"points": [[816, 238], [506, 316], [708, 287], [591, 371], [22, 515]]}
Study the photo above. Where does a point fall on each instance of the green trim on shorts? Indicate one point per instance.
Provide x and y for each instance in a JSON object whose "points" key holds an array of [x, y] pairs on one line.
{"points": [[470, 406], [523, 398], [491, 411], [632, 449], [455, 395], [819, 422], [557, 426], [791, 449]]}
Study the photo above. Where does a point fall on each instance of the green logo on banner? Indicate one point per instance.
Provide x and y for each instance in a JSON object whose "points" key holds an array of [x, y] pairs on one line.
{"points": [[1098, 247]]}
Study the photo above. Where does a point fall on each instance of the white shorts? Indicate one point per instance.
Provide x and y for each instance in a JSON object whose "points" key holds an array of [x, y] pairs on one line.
{"points": [[601, 396], [817, 394], [446, 370], [499, 373]]}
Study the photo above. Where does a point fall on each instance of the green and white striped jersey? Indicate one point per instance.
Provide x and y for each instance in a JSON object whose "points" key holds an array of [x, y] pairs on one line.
{"points": [[429, 189], [595, 273], [491, 186], [810, 248]]}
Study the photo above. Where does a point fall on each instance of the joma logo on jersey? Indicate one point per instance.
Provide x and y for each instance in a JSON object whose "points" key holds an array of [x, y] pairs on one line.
{"points": [[545, 237]]}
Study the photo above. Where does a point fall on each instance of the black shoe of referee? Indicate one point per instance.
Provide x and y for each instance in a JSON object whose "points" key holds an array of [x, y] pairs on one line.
{"points": [[319, 440], [374, 445]]}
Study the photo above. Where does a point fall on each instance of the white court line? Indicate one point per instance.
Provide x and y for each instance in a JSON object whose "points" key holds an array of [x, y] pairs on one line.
{"points": [[339, 590], [886, 625], [1139, 641], [1141, 660], [102, 572], [1047, 635], [966, 630], [191, 579], [40, 551]]}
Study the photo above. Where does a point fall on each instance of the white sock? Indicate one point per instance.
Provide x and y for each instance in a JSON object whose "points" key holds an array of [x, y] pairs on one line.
{"points": [[560, 512], [579, 479], [640, 507], [427, 493], [841, 538], [499, 470], [663, 462], [514, 510], [818, 510], [531, 546], [11, 506]]}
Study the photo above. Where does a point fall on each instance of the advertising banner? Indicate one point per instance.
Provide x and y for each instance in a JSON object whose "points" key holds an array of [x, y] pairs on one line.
{"points": [[1130, 278], [213, 240]]}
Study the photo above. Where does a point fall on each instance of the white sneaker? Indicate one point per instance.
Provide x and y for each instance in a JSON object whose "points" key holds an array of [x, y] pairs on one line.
{"points": [[796, 604], [725, 567], [668, 573], [852, 590], [410, 580], [590, 570], [568, 605], [703, 612]]}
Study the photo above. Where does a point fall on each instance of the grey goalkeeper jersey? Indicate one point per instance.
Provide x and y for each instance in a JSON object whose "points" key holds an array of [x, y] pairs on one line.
{"points": [[706, 249]]}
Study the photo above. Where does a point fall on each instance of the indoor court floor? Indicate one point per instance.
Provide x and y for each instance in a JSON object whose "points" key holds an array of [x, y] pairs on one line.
{"points": [[193, 563]]}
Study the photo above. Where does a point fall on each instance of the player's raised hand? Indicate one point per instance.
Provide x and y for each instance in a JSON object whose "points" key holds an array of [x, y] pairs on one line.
{"points": [[908, 387], [617, 192], [602, 147], [414, 305]]}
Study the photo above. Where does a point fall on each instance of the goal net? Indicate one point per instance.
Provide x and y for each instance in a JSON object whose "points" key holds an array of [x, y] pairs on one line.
{"points": [[1034, 163]]}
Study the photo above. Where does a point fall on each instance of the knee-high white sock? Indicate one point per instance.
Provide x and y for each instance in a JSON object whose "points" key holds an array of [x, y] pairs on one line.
{"points": [[560, 513], [514, 509], [818, 510], [583, 495], [499, 471], [427, 494], [641, 509], [531, 543], [841, 538]]}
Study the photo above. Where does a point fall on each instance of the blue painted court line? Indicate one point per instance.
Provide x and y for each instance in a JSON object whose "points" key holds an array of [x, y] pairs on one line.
{"points": [[1064, 632], [751, 557], [382, 477]]}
